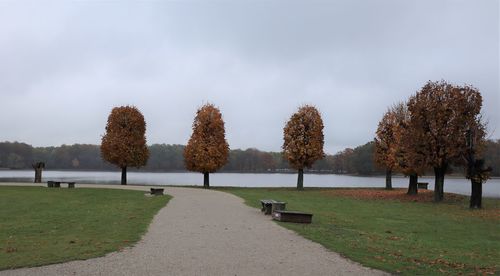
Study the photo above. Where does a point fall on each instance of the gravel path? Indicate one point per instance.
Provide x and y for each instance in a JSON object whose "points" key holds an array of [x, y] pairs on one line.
{"points": [[204, 232]]}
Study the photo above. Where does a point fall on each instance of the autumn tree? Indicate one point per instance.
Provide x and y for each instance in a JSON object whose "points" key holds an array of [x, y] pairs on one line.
{"points": [[303, 140], [385, 145], [207, 149], [407, 159], [394, 149], [124, 143], [475, 167], [440, 115], [476, 170]]}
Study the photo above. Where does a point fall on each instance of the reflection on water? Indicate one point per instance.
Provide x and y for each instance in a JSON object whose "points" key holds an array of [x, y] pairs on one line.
{"points": [[453, 185]]}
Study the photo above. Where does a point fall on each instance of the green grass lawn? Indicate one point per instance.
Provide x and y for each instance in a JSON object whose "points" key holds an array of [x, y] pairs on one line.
{"points": [[40, 226], [396, 236]]}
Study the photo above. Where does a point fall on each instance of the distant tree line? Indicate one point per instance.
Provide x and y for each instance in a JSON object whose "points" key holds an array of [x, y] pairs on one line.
{"points": [[169, 158], [439, 128]]}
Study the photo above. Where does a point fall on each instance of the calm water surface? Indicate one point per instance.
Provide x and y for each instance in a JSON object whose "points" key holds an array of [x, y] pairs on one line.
{"points": [[453, 185]]}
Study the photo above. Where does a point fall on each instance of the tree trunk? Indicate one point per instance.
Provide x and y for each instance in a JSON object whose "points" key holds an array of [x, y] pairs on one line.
{"points": [[39, 166], [38, 175], [388, 179], [413, 185], [206, 180], [476, 194], [300, 180], [124, 175], [439, 183]]}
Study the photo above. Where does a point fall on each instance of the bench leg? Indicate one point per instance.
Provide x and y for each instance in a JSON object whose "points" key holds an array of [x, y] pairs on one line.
{"points": [[269, 209]]}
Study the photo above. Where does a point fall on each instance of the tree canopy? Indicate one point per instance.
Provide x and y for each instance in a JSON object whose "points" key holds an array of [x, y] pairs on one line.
{"points": [[124, 143], [385, 140], [303, 139], [441, 113], [385, 144], [207, 149]]}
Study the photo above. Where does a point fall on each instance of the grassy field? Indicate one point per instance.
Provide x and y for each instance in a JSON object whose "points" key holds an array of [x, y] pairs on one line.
{"points": [[403, 234], [41, 226]]}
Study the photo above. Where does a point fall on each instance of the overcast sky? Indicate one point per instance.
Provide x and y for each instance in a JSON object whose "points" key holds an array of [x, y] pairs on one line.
{"points": [[64, 65]]}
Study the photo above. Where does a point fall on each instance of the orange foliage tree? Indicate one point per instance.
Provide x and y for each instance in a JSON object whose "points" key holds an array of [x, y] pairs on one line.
{"points": [[124, 143], [407, 159], [441, 113], [207, 149], [385, 145], [395, 147], [475, 168], [303, 140]]}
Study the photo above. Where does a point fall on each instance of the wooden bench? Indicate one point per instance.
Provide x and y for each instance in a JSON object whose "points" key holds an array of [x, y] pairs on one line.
{"points": [[57, 184], [157, 191], [422, 185], [271, 205], [292, 216]]}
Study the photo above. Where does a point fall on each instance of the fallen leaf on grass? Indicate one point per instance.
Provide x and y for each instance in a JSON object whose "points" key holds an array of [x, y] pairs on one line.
{"points": [[397, 254], [395, 194], [380, 258]]}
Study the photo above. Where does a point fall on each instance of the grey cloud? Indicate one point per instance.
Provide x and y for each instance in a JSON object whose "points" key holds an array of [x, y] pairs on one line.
{"points": [[66, 65]]}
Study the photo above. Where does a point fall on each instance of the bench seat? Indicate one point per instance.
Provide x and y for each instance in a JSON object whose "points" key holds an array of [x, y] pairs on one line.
{"points": [[57, 184], [157, 191], [422, 185]]}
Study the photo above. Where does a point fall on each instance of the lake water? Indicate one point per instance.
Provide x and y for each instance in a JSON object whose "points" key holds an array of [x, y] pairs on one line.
{"points": [[453, 185]]}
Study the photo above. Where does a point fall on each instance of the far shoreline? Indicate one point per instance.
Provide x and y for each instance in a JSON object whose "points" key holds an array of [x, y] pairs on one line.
{"points": [[448, 176]]}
